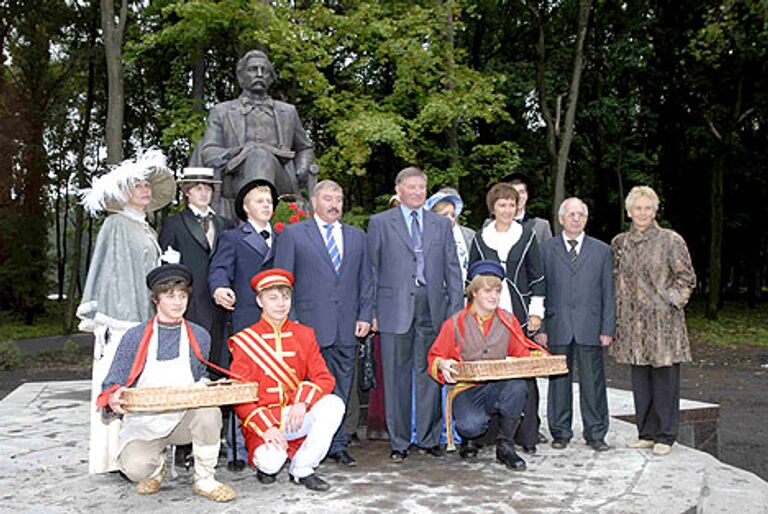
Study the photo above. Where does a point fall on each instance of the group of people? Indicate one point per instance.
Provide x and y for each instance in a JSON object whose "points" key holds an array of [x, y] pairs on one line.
{"points": [[286, 310]]}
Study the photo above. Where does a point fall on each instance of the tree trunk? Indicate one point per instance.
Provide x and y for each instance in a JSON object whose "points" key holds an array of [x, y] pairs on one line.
{"points": [[113, 29], [715, 237], [570, 113], [73, 288], [452, 132], [198, 83]]}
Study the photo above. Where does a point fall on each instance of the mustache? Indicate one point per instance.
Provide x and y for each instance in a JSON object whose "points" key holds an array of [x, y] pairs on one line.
{"points": [[333, 210]]}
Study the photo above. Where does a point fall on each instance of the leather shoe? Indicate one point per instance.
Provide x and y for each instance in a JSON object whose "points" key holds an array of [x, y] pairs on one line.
{"points": [[506, 454], [398, 456], [265, 478], [529, 450], [598, 446], [559, 444], [311, 482], [542, 439], [468, 449], [343, 457], [435, 451], [236, 465]]}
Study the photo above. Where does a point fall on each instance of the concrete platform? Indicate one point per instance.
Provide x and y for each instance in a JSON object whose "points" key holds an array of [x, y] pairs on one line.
{"points": [[43, 468]]}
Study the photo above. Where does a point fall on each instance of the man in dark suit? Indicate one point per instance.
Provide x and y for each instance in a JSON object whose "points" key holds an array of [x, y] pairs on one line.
{"points": [[242, 253], [333, 291], [195, 233], [580, 322], [417, 285]]}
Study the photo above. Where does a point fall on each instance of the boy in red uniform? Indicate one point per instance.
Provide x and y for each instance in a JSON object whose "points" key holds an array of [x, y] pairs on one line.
{"points": [[296, 414], [483, 331]]}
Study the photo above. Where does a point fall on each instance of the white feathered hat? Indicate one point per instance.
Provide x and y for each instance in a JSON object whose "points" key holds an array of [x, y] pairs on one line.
{"points": [[110, 191]]}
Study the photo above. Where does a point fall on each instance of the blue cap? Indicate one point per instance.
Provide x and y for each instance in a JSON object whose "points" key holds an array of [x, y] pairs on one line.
{"points": [[485, 268]]}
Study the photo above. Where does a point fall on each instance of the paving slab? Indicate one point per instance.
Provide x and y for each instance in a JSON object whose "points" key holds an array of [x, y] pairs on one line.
{"points": [[43, 469]]}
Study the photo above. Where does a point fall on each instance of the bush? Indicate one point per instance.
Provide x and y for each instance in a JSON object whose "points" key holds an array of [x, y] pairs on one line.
{"points": [[10, 355]]}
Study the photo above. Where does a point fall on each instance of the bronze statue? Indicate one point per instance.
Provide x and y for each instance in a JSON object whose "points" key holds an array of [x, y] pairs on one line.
{"points": [[255, 136]]}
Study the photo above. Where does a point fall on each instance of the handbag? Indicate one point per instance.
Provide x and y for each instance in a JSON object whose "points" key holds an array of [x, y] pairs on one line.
{"points": [[367, 364]]}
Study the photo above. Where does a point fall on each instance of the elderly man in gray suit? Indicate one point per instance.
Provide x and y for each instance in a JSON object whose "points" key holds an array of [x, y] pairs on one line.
{"points": [[417, 286], [580, 322]]}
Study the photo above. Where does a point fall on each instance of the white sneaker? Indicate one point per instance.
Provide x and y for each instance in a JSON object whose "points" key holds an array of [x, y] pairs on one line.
{"points": [[661, 449], [641, 444]]}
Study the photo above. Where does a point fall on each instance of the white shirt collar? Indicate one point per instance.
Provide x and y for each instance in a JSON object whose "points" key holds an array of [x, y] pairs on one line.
{"points": [[268, 227], [198, 212], [321, 224], [134, 214], [579, 241]]}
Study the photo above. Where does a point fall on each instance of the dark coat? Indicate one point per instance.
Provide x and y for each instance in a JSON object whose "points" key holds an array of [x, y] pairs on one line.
{"points": [[185, 234], [581, 305], [241, 254], [329, 303]]}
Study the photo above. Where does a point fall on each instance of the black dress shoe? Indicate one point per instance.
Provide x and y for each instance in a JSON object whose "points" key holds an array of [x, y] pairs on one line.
{"points": [[468, 449], [506, 454], [343, 457], [312, 482], [598, 446], [398, 456], [435, 451], [559, 444], [354, 440], [530, 450], [265, 478], [542, 438], [236, 465]]}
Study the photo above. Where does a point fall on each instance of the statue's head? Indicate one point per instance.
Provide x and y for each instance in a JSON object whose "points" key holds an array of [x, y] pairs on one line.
{"points": [[255, 72]]}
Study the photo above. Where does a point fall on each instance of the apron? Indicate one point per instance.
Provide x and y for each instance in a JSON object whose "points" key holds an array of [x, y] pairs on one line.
{"points": [[149, 426]]}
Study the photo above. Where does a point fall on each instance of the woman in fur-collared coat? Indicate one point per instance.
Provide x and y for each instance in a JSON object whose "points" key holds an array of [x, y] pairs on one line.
{"points": [[654, 280]]}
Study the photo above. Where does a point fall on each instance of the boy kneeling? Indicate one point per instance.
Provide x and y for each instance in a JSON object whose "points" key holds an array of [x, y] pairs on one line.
{"points": [[296, 414], [167, 351]]}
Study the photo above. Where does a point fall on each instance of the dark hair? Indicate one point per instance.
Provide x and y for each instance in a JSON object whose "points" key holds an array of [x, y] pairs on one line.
{"points": [[168, 286], [501, 191]]}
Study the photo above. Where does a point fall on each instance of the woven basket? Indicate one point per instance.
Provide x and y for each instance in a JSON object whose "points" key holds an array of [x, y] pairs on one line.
{"points": [[521, 367], [158, 399]]}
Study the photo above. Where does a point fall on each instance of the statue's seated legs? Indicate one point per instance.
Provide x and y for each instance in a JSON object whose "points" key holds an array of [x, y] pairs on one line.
{"points": [[259, 163]]}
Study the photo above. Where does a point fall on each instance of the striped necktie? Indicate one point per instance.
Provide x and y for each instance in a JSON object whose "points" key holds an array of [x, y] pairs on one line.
{"points": [[572, 252], [333, 250]]}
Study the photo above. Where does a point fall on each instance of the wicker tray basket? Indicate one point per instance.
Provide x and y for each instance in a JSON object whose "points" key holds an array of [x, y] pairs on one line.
{"points": [[158, 399], [522, 367]]}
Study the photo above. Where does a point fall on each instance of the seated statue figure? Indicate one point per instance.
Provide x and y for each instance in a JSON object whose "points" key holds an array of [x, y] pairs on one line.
{"points": [[255, 136]]}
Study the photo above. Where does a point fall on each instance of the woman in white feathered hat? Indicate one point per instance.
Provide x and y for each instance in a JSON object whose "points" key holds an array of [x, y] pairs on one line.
{"points": [[115, 297]]}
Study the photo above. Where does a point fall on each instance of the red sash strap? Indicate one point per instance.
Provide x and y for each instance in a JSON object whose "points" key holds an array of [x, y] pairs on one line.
{"points": [[260, 352], [517, 332], [141, 358]]}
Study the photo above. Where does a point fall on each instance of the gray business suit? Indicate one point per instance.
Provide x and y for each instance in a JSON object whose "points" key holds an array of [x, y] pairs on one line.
{"points": [[580, 308], [410, 316]]}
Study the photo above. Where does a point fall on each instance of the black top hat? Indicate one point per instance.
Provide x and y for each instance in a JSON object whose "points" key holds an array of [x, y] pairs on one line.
{"points": [[168, 273], [247, 189]]}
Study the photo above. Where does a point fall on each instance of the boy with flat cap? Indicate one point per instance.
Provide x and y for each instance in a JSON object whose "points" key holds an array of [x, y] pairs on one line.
{"points": [[296, 414], [482, 331], [166, 351]]}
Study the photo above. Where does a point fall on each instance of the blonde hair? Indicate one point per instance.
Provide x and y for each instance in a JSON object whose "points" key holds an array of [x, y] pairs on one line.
{"points": [[260, 189], [480, 282], [638, 192]]}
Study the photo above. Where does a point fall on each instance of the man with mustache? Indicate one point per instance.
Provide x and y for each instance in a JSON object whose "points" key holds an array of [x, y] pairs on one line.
{"points": [[333, 292], [255, 136]]}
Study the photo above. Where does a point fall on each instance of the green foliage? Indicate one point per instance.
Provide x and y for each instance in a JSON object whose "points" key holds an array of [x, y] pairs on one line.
{"points": [[13, 327], [10, 355], [737, 325]]}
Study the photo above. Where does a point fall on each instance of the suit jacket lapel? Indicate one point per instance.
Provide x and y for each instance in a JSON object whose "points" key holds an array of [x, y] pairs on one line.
{"points": [[237, 119], [562, 252], [218, 223], [254, 239], [316, 238], [195, 229], [398, 224], [429, 231], [586, 249]]}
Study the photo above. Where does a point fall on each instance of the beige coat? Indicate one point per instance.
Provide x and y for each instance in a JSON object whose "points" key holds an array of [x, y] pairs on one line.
{"points": [[654, 279]]}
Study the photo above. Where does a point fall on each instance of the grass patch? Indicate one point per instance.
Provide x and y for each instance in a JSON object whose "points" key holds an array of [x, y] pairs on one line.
{"points": [[48, 324], [68, 359], [737, 325]]}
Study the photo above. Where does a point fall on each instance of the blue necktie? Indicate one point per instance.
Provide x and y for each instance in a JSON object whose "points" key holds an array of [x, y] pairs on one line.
{"points": [[333, 250], [418, 248]]}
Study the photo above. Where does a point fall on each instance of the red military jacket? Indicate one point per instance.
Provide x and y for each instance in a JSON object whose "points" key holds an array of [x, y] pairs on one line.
{"points": [[288, 367], [447, 347]]}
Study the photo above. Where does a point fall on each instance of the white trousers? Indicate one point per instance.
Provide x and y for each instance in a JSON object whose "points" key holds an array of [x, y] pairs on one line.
{"points": [[319, 425]]}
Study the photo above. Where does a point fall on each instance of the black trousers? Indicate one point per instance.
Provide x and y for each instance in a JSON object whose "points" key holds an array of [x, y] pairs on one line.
{"points": [[657, 402], [593, 399], [340, 359], [405, 356], [473, 408], [528, 432]]}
